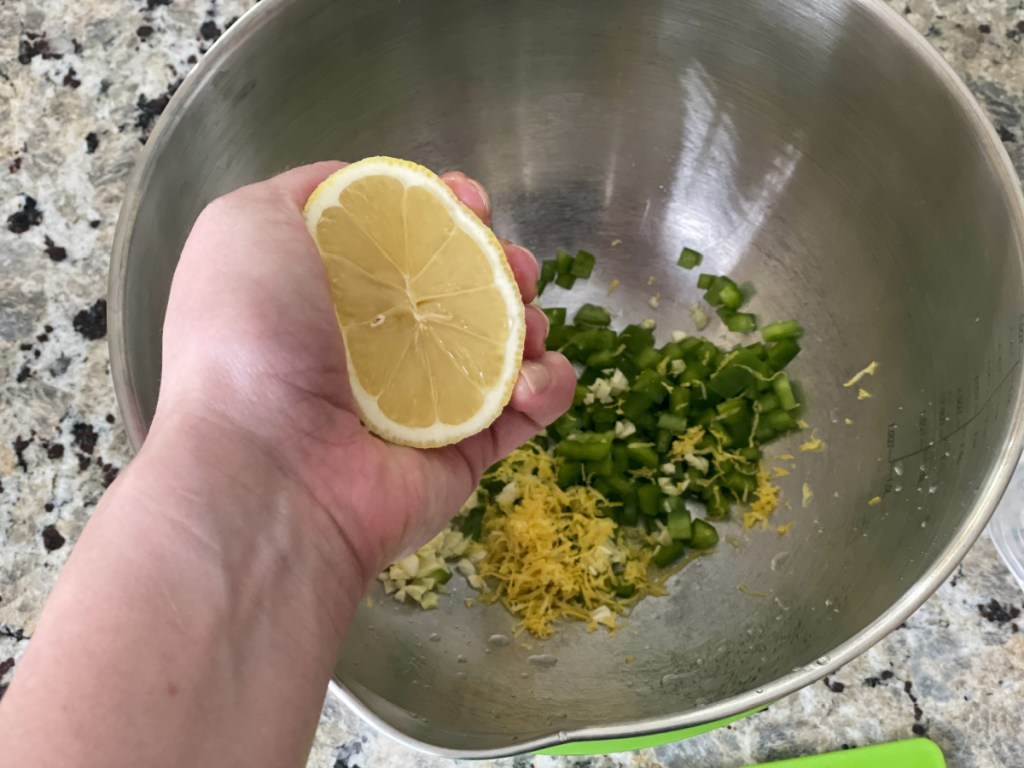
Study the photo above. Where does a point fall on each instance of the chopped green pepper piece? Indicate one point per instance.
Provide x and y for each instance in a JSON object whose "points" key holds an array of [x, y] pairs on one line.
{"points": [[604, 468], [548, 271], [730, 294], [717, 505], [603, 418], [599, 482], [648, 358], [643, 455], [667, 554], [764, 432], [672, 423], [690, 258], [652, 385], [440, 576], [781, 353], [585, 446], [786, 329], [621, 458], [583, 264], [629, 512], [472, 523], [704, 535], [558, 336], [567, 281], [663, 441], [740, 484], [649, 500], [678, 524], [602, 359], [679, 400], [556, 316], [750, 453], [619, 485], [767, 402], [624, 589], [636, 339], [784, 392], [713, 295], [579, 395], [736, 374], [563, 262], [565, 425], [591, 314], [741, 322], [635, 405], [780, 421], [672, 351], [593, 339], [570, 473], [695, 371]]}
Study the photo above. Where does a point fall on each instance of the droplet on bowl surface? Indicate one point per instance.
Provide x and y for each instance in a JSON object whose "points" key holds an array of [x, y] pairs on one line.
{"points": [[543, 660], [779, 560], [498, 640]]}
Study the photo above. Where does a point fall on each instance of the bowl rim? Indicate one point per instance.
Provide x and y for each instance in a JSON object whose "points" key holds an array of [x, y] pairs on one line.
{"points": [[969, 531]]}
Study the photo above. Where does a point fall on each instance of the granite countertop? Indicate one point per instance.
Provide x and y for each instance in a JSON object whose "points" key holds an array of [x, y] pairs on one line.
{"points": [[81, 85]]}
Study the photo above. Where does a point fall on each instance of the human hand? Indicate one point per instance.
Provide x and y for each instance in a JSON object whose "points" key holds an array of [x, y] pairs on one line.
{"points": [[228, 559], [252, 349]]}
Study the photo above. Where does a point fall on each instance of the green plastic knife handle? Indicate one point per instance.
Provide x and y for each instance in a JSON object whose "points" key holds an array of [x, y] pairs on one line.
{"points": [[913, 753]]}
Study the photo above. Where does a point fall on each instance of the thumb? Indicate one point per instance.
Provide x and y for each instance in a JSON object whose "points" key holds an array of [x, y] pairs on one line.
{"points": [[298, 183]]}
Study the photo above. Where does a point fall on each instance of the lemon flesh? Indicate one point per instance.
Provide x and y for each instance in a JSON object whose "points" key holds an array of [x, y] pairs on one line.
{"points": [[432, 320]]}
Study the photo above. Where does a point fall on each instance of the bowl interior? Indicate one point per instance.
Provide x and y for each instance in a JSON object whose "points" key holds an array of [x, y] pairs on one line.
{"points": [[812, 148]]}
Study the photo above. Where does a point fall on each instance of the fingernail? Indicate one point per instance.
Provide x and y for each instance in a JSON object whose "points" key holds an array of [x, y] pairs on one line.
{"points": [[534, 378], [530, 253], [547, 323], [485, 199]]}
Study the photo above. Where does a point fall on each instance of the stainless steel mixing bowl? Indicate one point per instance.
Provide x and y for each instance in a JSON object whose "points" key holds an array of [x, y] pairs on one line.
{"points": [[816, 148]]}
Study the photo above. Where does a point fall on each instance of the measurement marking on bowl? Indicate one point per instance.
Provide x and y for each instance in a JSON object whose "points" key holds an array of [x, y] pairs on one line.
{"points": [[956, 422]]}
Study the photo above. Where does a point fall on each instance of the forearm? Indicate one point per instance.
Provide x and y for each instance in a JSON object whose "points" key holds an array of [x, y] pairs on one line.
{"points": [[203, 606]]}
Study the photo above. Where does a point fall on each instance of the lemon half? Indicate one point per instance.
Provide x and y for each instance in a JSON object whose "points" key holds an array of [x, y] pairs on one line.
{"points": [[429, 310]]}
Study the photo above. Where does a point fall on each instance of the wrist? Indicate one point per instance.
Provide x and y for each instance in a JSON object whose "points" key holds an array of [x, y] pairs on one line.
{"points": [[201, 583], [217, 496]]}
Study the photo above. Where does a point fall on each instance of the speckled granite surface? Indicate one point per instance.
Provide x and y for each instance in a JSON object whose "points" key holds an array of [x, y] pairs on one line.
{"points": [[80, 87]]}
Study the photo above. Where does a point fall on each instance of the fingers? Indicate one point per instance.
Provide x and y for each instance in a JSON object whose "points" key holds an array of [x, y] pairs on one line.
{"points": [[524, 267], [536, 333], [523, 262], [471, 193], [544, 389]]}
